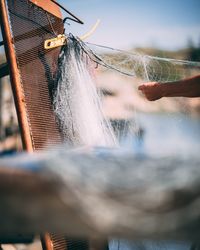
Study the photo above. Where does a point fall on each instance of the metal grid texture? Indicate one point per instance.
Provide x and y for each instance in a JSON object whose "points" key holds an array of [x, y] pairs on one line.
{"points": [[30, 26], [60, 243]]}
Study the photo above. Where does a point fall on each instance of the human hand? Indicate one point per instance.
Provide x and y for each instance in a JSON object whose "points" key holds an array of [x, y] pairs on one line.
{"points": [[151, 90]]}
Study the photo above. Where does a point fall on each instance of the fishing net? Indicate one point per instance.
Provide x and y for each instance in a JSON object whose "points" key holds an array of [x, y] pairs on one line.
{"points": [[113, 71], [139, 65], [77, 103]]}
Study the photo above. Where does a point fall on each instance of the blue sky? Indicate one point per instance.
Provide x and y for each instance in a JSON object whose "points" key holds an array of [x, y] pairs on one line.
{"points": [[167, 24]]}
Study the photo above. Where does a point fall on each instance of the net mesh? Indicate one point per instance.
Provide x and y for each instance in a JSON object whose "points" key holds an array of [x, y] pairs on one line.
{"points": [[77, 103], [139, 65]]}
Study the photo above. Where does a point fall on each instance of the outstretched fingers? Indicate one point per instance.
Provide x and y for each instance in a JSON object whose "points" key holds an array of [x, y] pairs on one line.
{"points": [[151, 90]]}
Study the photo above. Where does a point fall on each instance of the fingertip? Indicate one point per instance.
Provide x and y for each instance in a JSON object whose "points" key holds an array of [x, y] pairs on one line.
{"points": [[141, 87]]}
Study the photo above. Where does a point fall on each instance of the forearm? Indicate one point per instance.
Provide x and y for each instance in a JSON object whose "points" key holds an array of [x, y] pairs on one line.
{"points": [[188, 88]]}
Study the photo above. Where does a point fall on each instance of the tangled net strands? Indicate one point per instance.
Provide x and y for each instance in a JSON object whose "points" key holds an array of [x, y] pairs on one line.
{"points": [[149, 68], [76, 102]]}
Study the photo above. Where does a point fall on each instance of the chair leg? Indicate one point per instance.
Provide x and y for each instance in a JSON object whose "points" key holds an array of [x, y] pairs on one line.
{"points": [[60, 242]]}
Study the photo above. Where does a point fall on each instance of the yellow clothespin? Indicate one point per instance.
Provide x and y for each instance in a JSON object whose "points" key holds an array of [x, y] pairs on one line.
{"points": [[61, 40]]}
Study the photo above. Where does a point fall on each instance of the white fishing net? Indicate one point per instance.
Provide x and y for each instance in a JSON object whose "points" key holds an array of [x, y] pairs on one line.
{"points": [[148, 68], [77, 103]]}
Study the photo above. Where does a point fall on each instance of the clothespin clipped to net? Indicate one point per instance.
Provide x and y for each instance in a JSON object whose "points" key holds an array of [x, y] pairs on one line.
{"points": [[61, 39]]}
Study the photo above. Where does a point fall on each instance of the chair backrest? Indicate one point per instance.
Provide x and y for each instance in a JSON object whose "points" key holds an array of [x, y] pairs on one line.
{"points": [[25, 27]]}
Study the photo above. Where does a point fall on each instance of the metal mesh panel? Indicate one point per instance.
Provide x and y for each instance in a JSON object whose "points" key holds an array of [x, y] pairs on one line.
{"points": [[30, 26], [60, 243]]}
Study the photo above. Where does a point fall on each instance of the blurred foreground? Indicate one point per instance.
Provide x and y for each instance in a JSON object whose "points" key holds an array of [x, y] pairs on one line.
{"points": [[101, 192]]}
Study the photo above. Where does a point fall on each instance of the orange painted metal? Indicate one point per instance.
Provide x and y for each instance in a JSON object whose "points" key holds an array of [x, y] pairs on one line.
{"points": [[15, 79], [48, 6], [46, 242]]}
